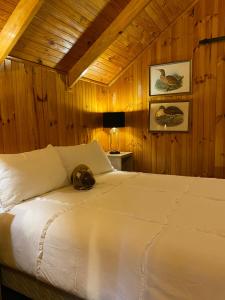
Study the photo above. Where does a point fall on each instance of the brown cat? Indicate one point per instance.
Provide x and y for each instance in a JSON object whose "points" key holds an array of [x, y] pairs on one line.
{"points": [[82, 178]]}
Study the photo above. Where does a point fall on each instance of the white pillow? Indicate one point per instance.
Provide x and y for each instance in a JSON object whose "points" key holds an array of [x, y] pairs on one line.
{"points": [[29, 174], [91, 155]]}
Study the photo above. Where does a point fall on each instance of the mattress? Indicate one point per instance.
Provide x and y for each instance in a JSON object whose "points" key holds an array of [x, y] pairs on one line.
{"points": [[133, 236]]}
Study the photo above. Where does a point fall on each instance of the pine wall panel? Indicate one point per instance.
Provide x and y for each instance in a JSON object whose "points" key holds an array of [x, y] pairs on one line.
{"points": [[201, 152], [36, 108]]}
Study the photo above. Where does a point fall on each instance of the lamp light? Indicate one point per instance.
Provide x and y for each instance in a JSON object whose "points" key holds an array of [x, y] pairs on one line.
{"points": [[114, 120]]}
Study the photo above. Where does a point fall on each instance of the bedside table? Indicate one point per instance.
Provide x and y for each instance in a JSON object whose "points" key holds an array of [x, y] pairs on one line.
{"points": [[122, 161]]}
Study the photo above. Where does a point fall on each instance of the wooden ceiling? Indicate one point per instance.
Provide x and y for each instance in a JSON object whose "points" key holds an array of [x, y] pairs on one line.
{"points": [[56, 28], [6, 9], [93, 39]]}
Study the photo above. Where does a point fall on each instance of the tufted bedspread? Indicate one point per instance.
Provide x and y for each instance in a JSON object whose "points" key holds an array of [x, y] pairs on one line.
{"points": [[134, 236]]}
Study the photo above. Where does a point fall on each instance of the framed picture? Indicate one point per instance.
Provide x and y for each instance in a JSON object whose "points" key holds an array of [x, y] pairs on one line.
{"points": [[171, 78], [169, 116]]}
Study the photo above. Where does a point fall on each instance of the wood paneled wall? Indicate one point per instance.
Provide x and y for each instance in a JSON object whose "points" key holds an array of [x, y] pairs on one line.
{"points": [[201, 152], [37, 109]]}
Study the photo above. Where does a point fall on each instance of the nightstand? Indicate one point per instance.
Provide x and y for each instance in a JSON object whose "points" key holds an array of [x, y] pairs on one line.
{"points": [[122, 161]]}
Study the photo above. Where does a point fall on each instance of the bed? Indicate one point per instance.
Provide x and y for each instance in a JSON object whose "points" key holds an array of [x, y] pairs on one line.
{"points": [[133, 236]]}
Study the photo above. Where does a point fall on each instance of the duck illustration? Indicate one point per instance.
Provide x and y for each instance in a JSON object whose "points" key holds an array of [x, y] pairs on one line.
{"points": [[169, 82], [169, 116]]}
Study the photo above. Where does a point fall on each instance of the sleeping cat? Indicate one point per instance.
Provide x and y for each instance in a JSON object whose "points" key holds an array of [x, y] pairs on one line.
{"points": [[82, 178]]}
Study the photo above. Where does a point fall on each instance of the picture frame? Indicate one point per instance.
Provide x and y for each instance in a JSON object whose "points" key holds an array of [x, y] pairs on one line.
{"points": [[169, 116], [170, 78]]}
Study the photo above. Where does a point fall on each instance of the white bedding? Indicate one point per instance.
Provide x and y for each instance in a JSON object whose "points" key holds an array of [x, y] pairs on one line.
{"points": [[133, 236]]}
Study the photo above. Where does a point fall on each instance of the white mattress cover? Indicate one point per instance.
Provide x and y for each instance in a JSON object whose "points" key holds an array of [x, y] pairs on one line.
{"points": [[133, 236]]}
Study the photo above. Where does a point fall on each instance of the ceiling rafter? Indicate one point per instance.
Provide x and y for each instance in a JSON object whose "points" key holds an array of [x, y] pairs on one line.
{"points": [[131, 10], [17, 24], [183, 12]]}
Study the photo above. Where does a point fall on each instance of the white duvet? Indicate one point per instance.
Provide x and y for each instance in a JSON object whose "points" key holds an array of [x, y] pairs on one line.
{"points": [[134, 236]]}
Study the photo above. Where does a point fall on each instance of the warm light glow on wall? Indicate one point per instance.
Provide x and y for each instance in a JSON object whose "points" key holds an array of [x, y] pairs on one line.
{"points": [[114, 99]]}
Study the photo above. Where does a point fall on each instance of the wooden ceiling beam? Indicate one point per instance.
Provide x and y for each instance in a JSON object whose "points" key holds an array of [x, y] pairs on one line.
{"points": [[131, 10], [16, 25]]}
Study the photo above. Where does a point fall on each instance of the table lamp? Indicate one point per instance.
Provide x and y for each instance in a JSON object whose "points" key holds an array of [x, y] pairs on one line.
{"points": [[114, 120]]}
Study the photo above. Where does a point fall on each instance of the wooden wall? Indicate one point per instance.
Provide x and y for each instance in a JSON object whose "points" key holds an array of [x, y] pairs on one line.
{"points": [[201, 152], [36, 109]]}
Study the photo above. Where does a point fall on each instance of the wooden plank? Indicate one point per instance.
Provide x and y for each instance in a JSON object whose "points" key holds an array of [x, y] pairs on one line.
{"points": [[8, 116], [51, 92], [24, 107], [60, 98], [16, 25], [6, 9], [47, 35], [40, 57], [108, 36], [85, 8], [91, 34], [27, 44], [93, 81], [2, 96], [106, 64], [114, 58], [54, 14], [8, 6], [20, 55], [52, 26], [48, 40], [68, 14]]}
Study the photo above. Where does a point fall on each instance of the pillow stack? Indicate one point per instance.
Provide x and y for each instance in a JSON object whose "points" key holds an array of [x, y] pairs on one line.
{"points": [[26, 175]]}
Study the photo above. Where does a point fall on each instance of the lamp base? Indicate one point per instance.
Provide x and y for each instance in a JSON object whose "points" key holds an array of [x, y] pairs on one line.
{"points": [[114, 152]]}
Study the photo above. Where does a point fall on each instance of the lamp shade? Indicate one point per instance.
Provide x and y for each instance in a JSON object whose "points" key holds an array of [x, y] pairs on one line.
{"points": [[113, 119]]}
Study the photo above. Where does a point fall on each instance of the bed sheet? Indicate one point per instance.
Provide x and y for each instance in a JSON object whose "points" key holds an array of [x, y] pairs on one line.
{"points": [[133, 236]]}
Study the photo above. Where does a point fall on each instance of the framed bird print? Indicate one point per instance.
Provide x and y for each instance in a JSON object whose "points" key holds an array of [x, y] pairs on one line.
{"points": [[169, 116], [171, 78]]}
